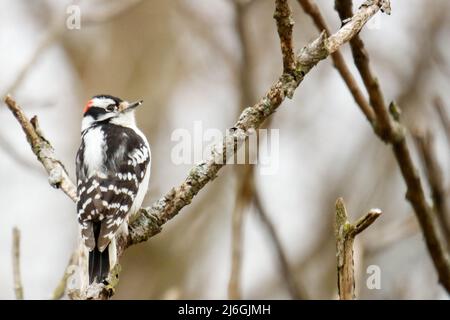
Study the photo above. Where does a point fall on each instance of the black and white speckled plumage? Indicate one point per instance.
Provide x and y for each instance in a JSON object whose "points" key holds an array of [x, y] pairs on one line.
{"points": [[113, 168], [107, 195]]}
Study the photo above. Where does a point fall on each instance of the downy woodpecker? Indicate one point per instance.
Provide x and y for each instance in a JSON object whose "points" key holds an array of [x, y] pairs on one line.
{"points": [[113, 171]]}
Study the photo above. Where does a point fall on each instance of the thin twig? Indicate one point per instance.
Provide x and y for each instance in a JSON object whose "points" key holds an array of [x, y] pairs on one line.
{"points": [[18, 288], [345, 233], [392, 132], [296, 291], [244, 173], [150, 220], [285, 26], [60, 289], [244, 196], [443, 116], [246, 190], [361, 58], [311, 8], [434, 175]]}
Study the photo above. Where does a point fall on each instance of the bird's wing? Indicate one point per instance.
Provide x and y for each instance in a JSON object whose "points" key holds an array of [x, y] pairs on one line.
{"points": [[108, 199]]}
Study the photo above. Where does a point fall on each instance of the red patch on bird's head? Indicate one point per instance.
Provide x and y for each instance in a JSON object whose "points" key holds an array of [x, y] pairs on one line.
{"points": [[87, 106]]}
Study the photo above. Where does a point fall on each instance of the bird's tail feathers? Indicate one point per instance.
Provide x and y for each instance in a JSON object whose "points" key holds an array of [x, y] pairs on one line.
{"points": [[98, 261]]}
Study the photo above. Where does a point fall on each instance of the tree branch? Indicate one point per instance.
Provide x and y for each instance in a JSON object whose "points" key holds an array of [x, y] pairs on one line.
{"points": [[296, 291], [345, 233], [60, 289], [443, 116], [392, 132], [58, 177], [244, 173], [150, 220], [285, 26], [434, 175], [361, 58], [313, 11], [18, 288], [244, 196]]}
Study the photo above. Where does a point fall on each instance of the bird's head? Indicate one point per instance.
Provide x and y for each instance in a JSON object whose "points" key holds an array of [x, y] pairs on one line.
{"points": [[106, 108]]}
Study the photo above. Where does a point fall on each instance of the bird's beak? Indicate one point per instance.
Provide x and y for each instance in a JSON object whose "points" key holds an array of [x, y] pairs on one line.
{"points": [[126, 106]]}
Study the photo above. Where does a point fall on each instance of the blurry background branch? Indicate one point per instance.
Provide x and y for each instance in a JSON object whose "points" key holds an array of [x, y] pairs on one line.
{"points": [[311, 8], [246, 192], [388, 128], [443, 116], [435, 178], [244, 173], [295, 289], [18, 287], [60, 289], [151, 220], [57, 28], [345, 233]]}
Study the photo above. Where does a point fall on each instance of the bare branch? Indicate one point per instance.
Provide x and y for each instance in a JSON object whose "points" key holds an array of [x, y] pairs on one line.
{"points": [[244, 174], [244, 196], [345, 233], [392, 132], [311, 8], [296, 291], [18, 288], [285, 25], [366, 221], [60, 289], [443, 116], [434, 175], [150, 220], [361, 58], [58, 177]]}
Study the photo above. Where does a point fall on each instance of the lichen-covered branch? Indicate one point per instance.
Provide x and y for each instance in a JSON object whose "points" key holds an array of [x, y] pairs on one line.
{"points": [[388, 128], [150, 220], [18, 288], [345, 234], [57, 174]]}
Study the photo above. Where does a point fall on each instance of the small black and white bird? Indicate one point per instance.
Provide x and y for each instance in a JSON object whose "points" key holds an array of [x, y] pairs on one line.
{"points": [[113, 171]]}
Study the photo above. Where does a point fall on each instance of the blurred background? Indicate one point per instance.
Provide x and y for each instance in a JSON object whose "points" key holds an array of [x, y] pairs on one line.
{"points": [[192, 60]]}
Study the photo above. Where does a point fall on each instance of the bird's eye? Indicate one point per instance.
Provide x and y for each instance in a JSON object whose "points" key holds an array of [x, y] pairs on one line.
{"points": [[111, 108]]}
